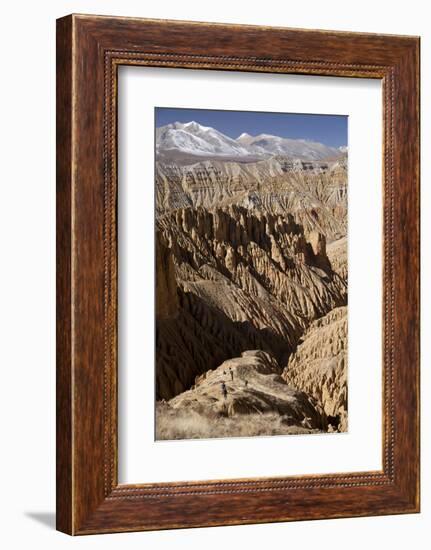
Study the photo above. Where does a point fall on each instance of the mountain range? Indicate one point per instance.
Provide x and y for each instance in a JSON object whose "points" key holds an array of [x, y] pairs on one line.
{"points": [[181, 141]]}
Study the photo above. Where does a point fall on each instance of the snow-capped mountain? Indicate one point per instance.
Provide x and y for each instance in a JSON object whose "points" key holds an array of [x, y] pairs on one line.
{"points": [[191, 139], [295, 148], [194, 139]]}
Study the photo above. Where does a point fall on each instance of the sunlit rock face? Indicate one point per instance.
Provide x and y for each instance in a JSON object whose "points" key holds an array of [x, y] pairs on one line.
{"points": [[251, 279], [318, 367], [244, 280], [256, 401], [317, 197]]}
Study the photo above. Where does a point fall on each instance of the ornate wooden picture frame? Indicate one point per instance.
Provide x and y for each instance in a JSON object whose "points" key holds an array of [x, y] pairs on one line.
{"points": [[89, 51]]}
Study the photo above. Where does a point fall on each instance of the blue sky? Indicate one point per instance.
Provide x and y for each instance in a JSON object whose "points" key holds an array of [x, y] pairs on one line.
{"points": [[328, 129]]}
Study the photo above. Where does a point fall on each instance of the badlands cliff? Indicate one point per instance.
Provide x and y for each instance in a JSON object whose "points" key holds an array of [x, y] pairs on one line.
{"points": [[337, 254], [257, 402], [315, 193], [239, 281], [319, 365], [251, 285]]}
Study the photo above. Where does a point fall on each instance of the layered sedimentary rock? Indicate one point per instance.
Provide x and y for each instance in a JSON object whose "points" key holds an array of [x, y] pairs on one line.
{"points": [[243, 280], [167, 303], [337, 254], [315, 192], [244, 396], [319, 365], [251, 254]]}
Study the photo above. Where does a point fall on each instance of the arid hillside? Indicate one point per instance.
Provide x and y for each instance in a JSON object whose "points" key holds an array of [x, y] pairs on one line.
{"points": [[251, 289], [318, 366], [230, 281], [314, 192], [258, 402]]}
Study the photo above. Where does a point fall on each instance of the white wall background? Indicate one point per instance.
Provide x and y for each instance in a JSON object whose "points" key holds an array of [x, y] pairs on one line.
{"points": [[27, 279]]}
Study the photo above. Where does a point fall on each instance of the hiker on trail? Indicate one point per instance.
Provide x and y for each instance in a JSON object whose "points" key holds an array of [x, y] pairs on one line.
{"points": [[224, 390], [246, 383], [231, 373]]}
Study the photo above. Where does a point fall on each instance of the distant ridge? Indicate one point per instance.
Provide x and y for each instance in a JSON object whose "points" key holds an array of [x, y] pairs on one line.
{"points": [[191, 139]]}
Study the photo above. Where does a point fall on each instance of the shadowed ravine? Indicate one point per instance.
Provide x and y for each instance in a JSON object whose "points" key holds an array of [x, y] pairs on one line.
{"points": [[229, 281], [251, 284]]}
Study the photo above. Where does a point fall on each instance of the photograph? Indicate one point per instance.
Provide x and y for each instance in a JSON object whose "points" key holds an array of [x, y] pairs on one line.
{"points": [[215, 235], [251, 273]]}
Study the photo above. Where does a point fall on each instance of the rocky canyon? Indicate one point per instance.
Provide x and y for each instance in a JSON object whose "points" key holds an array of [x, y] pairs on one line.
{"points": [[251, 285]]}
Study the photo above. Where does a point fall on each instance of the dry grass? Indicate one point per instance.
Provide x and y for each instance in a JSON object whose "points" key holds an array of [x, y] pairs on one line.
{"points": [[178, 424]]}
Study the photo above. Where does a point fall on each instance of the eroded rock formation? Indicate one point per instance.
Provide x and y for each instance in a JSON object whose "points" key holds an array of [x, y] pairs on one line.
{"points": [[315, 195], [319, 365], [255, 400], [251, 254], [166, 286], [245, 280], [337, 254]]}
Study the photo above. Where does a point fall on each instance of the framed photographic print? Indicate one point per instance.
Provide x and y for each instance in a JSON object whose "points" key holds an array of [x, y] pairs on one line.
{"points": [[237, 274]]}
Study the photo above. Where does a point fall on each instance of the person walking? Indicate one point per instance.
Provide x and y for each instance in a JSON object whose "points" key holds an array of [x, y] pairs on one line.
{"points": [[224, 390], [231, 373]]}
